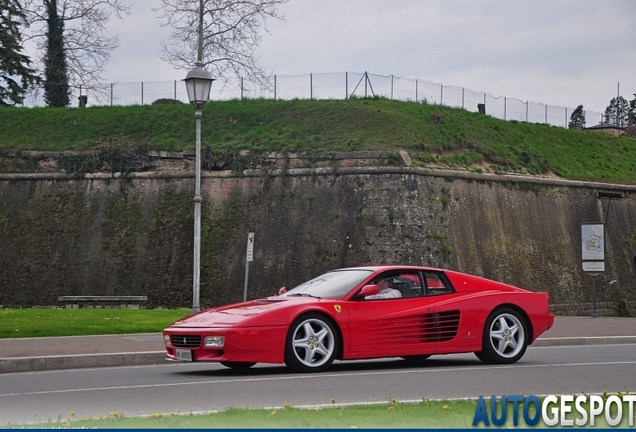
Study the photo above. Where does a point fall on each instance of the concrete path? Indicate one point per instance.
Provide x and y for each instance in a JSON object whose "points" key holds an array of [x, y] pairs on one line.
{"points": [[35, 354]]}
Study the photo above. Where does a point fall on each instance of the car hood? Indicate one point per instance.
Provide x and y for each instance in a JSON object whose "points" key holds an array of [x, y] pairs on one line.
{"points": [[240, 313]]}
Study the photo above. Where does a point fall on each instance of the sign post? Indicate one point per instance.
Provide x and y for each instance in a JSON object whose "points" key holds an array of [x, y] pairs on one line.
{"points": [[248, 257], [593, 255]]}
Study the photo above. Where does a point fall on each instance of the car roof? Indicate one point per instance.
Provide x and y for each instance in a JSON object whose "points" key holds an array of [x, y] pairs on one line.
{"points": [[387, 267]]}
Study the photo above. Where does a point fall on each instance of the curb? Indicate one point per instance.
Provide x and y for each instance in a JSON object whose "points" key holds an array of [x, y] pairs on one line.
{"points": [[572, 341], [84, 361], [80, 361]]}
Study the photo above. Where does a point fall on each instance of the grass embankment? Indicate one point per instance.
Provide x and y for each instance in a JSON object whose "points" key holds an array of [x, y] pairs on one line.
{"points": [[431, 134], [20, 323]]}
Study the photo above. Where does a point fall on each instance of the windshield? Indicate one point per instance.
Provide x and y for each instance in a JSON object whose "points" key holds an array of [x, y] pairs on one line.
{"points": [[335, 284]]}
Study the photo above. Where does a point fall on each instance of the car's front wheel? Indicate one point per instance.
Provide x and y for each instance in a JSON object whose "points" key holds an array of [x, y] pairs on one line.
{"points": [[238, 365], [312, 343], [505, 337]]}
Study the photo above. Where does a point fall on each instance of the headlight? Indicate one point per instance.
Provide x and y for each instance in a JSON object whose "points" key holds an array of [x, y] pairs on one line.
{"points": [[166, 340], [214, 341]]}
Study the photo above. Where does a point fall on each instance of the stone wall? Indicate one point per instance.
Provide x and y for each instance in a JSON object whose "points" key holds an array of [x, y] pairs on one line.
{"points": [[110, 234]]}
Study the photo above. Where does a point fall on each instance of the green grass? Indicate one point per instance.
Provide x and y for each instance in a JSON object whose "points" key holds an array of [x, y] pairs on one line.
{"points": [[431, 134], [427, 414], [394, 415], [19, 323]]}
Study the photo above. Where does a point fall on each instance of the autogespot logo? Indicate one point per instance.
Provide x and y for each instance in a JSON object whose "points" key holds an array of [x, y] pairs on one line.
{"points": [[565, 410]]}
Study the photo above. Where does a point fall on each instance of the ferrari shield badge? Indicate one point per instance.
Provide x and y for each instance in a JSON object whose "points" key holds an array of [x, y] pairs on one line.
{"points": [[338, 308]]}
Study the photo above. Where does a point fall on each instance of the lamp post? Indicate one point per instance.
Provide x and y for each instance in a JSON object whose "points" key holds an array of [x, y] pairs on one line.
{"points": [[198, 83]]}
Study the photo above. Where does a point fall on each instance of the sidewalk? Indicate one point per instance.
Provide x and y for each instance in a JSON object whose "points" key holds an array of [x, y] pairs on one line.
{"points": [[35, 354]]}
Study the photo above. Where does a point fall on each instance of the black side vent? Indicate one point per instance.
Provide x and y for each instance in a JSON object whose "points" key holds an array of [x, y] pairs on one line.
{"points": [[185, 341], [441, 327]]}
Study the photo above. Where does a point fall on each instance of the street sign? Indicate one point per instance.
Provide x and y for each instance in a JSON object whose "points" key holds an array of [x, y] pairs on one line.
{"points": [[250, 247], [593, 247]]}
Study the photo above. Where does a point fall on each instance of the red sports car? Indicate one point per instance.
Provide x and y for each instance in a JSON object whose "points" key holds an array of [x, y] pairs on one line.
{"points": [[366, 312]]}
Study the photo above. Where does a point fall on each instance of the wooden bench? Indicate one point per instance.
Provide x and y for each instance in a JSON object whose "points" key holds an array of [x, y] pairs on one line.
{"points": [[74, 302]]}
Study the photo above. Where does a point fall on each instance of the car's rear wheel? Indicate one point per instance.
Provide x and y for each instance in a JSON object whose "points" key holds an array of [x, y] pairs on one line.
{"points": [[238, 365], [505, 337], [312, 343]]}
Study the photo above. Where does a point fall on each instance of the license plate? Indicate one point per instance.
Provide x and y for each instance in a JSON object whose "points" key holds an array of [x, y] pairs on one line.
{"points": [[184, 355]]}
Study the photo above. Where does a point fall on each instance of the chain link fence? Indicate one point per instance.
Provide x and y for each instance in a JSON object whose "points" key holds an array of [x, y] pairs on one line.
{"points": [[341, 85]]}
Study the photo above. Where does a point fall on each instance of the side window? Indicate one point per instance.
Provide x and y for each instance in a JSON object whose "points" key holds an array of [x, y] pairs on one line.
{"points": [[397, 285], [408, 283], [436, 284]]}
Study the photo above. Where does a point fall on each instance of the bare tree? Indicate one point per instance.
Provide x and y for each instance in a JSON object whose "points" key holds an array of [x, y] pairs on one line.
{"points": [[222, 34], [87, 43]]}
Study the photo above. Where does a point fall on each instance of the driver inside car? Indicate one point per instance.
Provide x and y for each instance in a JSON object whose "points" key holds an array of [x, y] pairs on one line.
{"points": [[385, 291]]}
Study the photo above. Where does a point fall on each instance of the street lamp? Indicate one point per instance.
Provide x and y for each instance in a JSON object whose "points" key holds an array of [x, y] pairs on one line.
{"points": [[198, 83]]}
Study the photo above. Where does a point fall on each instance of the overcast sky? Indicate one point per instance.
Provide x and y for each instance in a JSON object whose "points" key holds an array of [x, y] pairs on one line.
{"points": [[559, 52]]}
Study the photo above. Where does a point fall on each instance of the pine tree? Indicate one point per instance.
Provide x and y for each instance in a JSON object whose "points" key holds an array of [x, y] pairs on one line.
{"points": [[16, 75], [616, 112], [577, 119], [631, 112], [56, 88]]}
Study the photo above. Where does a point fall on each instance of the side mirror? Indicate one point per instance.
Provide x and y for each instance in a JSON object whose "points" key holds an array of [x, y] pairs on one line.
{"points": [[282, 291], [369, 290]]}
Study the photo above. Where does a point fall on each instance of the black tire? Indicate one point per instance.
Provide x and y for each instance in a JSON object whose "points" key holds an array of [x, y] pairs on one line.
{"points": [[505, 337], [312, 343], [237, 365], [416, 359]]}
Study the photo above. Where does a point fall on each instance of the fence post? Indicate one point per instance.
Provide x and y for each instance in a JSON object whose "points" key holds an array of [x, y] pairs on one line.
{"points": [[111, 94], [311, 86], [391, 86], [462, 97], [526, 111], [416, 85], [142, 93], [546, 113], [175, 89], [505, 106], [242, 87], [566, 117], [274, 87], [346, 85], [441, 94]]}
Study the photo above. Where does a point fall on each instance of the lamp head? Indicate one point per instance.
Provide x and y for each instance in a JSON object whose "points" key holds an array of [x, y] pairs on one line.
{"points": [[198, 83]]}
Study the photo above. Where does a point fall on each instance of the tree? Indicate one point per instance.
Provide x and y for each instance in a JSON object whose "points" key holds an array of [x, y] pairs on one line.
{"points": [[16, 74], [631, 112], [577, 119], [81, 30], [55, 71], [616, 112], [222, 34]]}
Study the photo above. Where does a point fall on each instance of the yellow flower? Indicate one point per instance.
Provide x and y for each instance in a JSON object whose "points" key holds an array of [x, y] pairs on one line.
{"points": [[273, 413]]}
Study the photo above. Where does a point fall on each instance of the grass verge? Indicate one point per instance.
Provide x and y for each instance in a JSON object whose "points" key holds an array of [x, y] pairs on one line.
{"points": [[393, 415], [19, 323]]}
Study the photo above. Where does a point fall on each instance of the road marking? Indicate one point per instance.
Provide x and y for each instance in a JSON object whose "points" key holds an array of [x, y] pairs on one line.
{"points": [[320, 376]]}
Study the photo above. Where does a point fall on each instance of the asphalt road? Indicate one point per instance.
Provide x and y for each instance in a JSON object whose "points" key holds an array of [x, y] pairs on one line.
{"points": [[144, 390]]}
